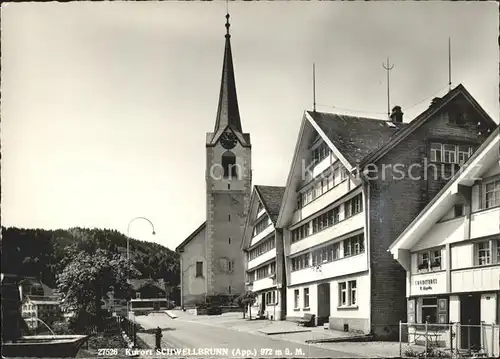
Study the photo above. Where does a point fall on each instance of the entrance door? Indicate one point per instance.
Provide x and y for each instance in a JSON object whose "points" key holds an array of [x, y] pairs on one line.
{"points": [[470, 317], [323, 303], [262, 304]]}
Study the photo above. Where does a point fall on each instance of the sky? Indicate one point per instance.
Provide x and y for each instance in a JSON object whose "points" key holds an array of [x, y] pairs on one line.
{"points": [[105, 105]]}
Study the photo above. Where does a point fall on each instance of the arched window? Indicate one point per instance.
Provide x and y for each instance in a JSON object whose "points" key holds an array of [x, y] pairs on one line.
{"points": [[229, 164]]}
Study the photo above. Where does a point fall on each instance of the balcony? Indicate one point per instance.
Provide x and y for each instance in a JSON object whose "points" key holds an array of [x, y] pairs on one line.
{"points": [[475, 279], [264, 283], [269, 229], [485, 223], [321, 202], [262, 259], [337, 230], [338, 267]]}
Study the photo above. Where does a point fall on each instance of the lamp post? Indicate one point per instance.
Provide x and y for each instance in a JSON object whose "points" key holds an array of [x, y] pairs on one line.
{"points": [[128, 248]]}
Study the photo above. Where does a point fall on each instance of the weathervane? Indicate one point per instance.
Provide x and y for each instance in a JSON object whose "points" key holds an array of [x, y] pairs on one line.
{"points": [[449, 64], [388, 68], [314, 87]]}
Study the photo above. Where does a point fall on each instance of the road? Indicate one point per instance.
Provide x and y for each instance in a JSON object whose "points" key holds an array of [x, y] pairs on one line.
{"points": [[218, 342]]}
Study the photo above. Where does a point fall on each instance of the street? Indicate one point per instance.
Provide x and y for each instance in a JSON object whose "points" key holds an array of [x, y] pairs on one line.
{"points": [[199, 339]]}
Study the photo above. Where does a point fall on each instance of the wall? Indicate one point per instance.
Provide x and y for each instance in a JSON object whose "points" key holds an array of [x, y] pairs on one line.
{"points": [[223, 202], [193, 288], [390, 215], [485, 223]]}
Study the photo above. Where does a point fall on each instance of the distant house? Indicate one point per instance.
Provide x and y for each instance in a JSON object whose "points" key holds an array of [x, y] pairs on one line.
{"points": [[32, 286], [44, 308], [148, 288]]}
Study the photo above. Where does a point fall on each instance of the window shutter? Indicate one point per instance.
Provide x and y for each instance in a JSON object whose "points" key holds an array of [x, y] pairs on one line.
{"points": [[411, 311], [442, 311]]}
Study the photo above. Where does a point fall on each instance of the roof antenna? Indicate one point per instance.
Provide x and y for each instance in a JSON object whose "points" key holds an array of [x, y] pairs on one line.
{"points": [[227, 20], [388, 68], [449, 64], [314, 87]]}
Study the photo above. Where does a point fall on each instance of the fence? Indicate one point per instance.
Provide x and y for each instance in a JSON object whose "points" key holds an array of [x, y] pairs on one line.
{"points": [[452, 340]]}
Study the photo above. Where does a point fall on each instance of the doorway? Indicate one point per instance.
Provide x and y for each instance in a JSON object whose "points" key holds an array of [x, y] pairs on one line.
{"points": [[323, 303], [470, 319], [262, 304]]}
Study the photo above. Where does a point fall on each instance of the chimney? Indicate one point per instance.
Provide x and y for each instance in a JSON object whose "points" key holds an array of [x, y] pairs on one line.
{"points": [[397, 115], [435, 101]]}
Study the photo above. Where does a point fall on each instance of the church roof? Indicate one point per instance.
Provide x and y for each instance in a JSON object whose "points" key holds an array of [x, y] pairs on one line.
{"points": [[271, 197], [180, 247]]}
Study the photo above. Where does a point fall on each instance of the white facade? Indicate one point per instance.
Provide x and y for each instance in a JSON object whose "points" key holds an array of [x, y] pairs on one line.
{"points": [[451, 253], [325, 239]]}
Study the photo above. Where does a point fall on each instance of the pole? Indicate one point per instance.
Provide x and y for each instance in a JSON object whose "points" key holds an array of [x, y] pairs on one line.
{"points": [[449, 64], [426, 332], [400, 338], [388, 68], [314, 87]]}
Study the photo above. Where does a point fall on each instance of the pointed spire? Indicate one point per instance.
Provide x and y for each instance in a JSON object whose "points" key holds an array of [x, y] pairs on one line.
{"points": [[228, 113]]}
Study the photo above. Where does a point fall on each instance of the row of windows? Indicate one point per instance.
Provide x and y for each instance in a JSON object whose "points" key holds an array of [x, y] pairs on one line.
{"points": [[271, 298], [336, 176], [261, 225], [262, 272], [449, 153], [348, 296], [350, 247], [485, 253], [262, 248], [492, 194], [328, 219], [320, 153]]}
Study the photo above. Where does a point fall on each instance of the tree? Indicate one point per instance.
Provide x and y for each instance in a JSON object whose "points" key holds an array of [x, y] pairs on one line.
{"points": [[86, 279], [245, 300]]}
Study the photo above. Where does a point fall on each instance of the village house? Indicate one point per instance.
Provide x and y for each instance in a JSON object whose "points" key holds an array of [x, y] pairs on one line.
{"points": [[44, 308], [451, 254], [263, 247], [345, 203]]}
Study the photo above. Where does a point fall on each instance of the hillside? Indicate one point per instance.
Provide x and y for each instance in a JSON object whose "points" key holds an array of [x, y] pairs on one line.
{"points": [[40, 253]]}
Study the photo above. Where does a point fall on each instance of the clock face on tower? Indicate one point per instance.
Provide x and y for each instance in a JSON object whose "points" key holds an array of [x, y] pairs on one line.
{"points": [[228, 140]]}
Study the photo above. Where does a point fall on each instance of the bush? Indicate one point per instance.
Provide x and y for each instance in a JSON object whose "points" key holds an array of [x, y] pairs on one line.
{"points": [[61, 328], [214, 310]]}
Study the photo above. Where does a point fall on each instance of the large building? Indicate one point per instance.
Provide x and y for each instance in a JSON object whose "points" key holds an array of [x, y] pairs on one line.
{"points": [[211, 257], [451, 254], [263, 247], [354, 185]]}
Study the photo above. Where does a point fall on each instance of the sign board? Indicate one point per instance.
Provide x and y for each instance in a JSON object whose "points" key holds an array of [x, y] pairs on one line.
{"points": [[429, 283]]}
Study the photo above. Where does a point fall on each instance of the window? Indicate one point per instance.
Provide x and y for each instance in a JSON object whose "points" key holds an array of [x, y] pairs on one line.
{"points": [[272, 268], [336, 214], [261, 225], [429, 260], [354, 245], [449, 153], [262, 248], [296, 299], [260, 207], [325, 254], [436, 152], [229, 289], [352, 292], [229, 164], [263, 272], [353, 206], [429, 310], [300, 262], [230, 266], [199, 269], [497, 242], [459, 210], [306, 298], [320, 153], [483, 253], [492, 194], [229, 217], [137, 295], [229, 240], [300, 232], [271, 297]]}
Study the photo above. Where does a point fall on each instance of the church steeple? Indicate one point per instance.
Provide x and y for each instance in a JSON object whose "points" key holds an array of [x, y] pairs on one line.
{"points": [[228, 114]]}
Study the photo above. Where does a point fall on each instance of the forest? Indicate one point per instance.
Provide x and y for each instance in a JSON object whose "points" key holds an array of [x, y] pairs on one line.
{"points": [[44, 253]]}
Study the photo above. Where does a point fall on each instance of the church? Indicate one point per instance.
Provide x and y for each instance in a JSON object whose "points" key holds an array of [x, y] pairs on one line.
{"points": [[211, 260]]}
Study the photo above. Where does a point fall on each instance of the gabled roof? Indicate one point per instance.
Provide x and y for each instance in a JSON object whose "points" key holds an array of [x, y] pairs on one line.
{"points": [[424, 117], [355, 137], [181, 246], [271, 197], [478, 163], [140, 283]]}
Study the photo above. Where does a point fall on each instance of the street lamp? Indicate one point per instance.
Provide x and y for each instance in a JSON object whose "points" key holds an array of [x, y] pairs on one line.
{"points": [[128, 251], [128, 239]]}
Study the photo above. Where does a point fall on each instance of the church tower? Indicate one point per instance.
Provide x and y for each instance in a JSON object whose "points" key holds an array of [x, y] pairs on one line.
{"points": [[228, 188]]}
